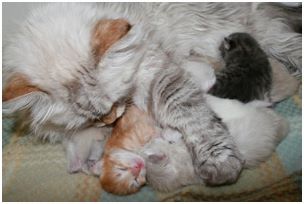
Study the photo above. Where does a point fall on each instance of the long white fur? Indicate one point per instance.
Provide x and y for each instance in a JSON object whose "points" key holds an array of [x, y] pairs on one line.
{"points": [[54, 41]]}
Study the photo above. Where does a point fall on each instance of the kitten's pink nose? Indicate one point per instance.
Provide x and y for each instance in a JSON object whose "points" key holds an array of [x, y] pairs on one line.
{"points": [[137, 168]]}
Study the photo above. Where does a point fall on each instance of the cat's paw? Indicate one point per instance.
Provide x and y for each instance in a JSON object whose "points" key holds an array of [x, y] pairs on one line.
{"points": [[221, 171], [116, 112]]}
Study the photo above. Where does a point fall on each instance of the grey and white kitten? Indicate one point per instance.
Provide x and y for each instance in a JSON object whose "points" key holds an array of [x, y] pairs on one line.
{"points": [[256, 130], [247, 74]]}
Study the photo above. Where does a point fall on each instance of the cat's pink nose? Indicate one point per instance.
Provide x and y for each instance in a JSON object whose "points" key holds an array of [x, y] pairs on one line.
{"points": [[137, 168]]}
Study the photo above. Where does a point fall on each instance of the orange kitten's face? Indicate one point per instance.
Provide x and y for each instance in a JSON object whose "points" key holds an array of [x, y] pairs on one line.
{"points": [[123, 172]]}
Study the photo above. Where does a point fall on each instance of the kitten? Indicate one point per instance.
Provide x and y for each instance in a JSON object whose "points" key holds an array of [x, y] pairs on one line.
{"points": [[168, 163], [247, 74], [121, 170], [283, 86], [257, 131], [85, 147]]}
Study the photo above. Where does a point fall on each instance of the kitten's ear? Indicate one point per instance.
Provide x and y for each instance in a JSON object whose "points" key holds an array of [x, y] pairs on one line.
{"points": [[19, 93], [105, 33], [157, 157], [226, 43]]}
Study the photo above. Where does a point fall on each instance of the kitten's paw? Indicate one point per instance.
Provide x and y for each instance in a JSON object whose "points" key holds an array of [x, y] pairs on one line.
{"points": [[96, 168], [116, 112], [74, 166], [219, 171], [90, 163], [120, 110], [85, 169], [89, 167]]}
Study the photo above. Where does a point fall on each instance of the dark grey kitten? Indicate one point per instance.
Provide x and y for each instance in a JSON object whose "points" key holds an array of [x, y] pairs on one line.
{"points": [[247, 73], [179, 103]]}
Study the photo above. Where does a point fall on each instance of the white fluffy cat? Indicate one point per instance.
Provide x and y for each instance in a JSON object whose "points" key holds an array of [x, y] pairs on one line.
{"points": [[69, 63], [53, 68]]}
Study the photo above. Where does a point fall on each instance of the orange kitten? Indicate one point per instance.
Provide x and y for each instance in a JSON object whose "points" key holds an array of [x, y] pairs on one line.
{"points": [[122, 170]]}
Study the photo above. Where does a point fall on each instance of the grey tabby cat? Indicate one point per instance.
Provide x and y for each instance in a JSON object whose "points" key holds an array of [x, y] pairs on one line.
{"points": [[247, 74]]}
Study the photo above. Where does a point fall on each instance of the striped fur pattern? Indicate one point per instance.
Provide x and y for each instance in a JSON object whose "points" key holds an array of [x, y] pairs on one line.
{"points": [[178, 103]]}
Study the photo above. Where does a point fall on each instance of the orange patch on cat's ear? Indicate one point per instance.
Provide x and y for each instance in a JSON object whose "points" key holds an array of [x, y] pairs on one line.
{"points": [[106, 32], [18, 85]]}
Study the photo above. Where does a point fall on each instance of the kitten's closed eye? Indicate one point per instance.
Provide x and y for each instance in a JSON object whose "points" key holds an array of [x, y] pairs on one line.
{"points": [[123, 169]]}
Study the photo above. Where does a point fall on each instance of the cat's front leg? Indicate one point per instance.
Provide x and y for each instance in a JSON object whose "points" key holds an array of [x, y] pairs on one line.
{"points": [[215, 156], [179, 103]]}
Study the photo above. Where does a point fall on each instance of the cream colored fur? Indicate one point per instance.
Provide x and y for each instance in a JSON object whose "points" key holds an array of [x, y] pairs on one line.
{"points": [[53, 44]]}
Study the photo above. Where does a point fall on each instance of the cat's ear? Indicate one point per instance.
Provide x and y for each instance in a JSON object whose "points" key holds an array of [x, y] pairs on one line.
{"points": [[157, 157], [226, 43], [19, 93], [105, 33], [17, 85]]}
